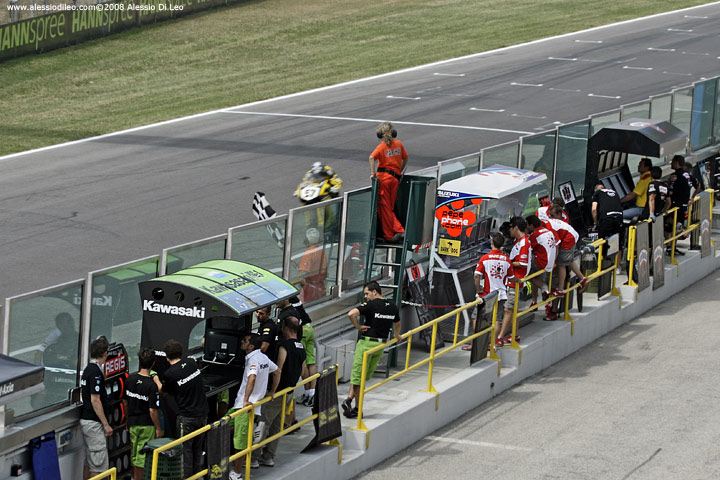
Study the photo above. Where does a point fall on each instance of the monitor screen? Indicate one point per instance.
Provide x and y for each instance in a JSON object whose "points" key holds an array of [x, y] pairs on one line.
{"points": [[483, 228], [220, 342]]}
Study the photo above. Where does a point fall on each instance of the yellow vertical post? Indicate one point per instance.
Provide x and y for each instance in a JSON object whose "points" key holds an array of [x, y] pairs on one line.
{"points": [[672, 243], [513, 332], [431, 364], [251, 431], [361, 396], [457, 325], [631, 256], [407, 352], [493, 335]]}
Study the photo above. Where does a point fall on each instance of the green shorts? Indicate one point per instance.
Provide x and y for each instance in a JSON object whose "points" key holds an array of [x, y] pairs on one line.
{"points": [[242, 424], [224, 397], [362, 346], [308, 341], [139, 436]]}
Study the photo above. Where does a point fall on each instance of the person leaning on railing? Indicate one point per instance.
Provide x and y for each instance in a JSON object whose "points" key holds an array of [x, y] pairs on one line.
{"points": [[256, 375], [607, 213], [491, 275], [520, 260], [566, 249], [380, 315], [543, 243], [679, 190]]}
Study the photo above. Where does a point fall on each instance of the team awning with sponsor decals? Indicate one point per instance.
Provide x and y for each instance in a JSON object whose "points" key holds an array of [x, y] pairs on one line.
{"points": [[173, 304], [493, 182]]}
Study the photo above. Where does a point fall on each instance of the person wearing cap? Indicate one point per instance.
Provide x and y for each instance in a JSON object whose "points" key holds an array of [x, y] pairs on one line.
{"points": [[391, 159]]}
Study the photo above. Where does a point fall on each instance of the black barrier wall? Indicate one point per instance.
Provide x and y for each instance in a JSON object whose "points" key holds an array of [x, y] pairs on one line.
{"points": [[71, 24]]}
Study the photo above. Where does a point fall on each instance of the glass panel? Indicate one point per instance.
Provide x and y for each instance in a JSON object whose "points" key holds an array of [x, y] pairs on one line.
{"points": [[660, 108], [600, 121], [116, 310], [682, 106], [506, 155], [702, 114], [638, 110], [184, 257], [314, 250], [44, 329], [261, 245], [427, 172], [538, 155], [458, 168], [572, 155], [357, 237]]}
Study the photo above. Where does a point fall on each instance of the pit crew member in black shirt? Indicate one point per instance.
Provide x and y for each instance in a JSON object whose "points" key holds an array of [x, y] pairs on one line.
{"points": [[183, 380], [657, 196], [142, 401], [380, 315], [268, 331], [93, 422]]}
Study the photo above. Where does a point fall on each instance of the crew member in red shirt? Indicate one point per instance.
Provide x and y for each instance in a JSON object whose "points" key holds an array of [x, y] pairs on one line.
{"points": [[566, 253], [491, 275], [542, 212], [520, 261], [543, 243], [391, 159]]}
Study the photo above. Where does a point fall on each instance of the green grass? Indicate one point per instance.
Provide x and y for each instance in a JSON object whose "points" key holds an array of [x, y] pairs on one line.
{"points": [[261, 49]]}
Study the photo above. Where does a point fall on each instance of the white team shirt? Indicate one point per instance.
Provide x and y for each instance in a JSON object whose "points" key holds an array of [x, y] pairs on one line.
{"points": [[258, 364]]}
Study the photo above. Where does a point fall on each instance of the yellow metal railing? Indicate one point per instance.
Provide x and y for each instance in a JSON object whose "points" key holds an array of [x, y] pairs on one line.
{"points": [[250, 446], [110, 473], [430, 361]]}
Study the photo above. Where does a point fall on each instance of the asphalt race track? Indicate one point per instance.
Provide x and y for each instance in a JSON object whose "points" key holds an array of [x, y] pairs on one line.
{"points": [[92, 204]]}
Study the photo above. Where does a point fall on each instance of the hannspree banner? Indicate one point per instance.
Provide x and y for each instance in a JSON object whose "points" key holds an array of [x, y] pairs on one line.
{"points": [[56, 26]]}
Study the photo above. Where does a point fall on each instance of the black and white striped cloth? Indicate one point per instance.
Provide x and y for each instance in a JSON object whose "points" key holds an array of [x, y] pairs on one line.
{"points": [[262, 210]]}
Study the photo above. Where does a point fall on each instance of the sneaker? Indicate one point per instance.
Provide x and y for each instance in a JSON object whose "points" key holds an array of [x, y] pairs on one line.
{"points": [[583, 284], [302, 399], [309, 401], [254, 463], [352, 413], [557, 293], [533, 303], [545, 295], [235, 476], [266, 462], [499, 343], [550, 316], [467, 348], [347, 406], [508, 339]]}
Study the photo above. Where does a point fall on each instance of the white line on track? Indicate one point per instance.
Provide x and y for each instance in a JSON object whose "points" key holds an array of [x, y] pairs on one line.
{"points": [[366, 79], [676, 73], [403, 98], [474, 109], [694, 53], [564, 90], [603, 96], [373, 120], [449, 74], [661, 49], [693, 16], [478, 444], [680, 30], [636, 68], [527, 84], [564, 59], [527, 116]]}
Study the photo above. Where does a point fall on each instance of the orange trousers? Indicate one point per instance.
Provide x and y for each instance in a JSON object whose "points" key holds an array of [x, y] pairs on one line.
{"points": [[386, 203]]}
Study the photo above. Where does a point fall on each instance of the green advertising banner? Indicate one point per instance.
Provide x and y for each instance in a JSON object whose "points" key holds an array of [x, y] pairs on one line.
{"points": [[60, 25]]}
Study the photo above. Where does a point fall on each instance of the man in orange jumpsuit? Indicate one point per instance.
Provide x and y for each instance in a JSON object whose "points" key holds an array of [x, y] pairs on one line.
{"points": [[391, 159]]}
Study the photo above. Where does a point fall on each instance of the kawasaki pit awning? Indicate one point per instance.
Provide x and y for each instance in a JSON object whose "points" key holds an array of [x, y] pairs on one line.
{"points": [[174, 304], [493, 182]]}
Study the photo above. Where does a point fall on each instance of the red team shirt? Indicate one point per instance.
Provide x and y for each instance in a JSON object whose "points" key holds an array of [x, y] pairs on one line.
{"points": [[566, 234], [543, 243], [542, 214], [520, 253], [494, 267]]}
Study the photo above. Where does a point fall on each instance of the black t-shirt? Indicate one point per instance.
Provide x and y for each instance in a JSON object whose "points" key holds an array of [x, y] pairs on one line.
{"points": [[293, 362], [184, 381], [680, 188], [609, 207], [92, 383], [141, 394], [269, 332], [660, 190], [380, 314]]}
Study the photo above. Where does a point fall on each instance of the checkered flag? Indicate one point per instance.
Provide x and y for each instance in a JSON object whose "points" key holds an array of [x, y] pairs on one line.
{"points": [[262, 210]]}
